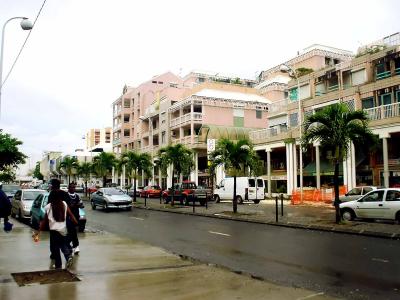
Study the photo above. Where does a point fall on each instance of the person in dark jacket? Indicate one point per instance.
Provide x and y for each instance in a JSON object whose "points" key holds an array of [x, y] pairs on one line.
{"points": [[74, 203], [5, 208]]}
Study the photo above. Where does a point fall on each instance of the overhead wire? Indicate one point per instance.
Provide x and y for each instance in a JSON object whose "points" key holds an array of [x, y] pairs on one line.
{"points": [[23, 45]]}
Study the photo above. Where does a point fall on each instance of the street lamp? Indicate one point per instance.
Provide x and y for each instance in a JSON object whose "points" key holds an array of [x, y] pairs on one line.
{"points": [[286, 69], [26, 24]]}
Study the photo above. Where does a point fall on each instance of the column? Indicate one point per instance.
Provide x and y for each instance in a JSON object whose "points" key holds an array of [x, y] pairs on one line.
{"points": [[159, 177], [153, 180], [194, 175], [268, 150], [191, 123], [123, 177], [385, 163], [169, 176], [142, 178], [353, 165], [295, 182], [317, 165], [289, 168], [113, 174]]}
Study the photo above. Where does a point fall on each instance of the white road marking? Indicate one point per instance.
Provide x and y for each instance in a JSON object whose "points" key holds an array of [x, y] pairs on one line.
{"points": [[140, 219], [219, 233], [380, 260], [310, 296], [218, 214]]}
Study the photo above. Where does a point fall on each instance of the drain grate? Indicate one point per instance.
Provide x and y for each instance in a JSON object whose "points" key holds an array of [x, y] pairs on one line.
{"points": [[44, 277]]}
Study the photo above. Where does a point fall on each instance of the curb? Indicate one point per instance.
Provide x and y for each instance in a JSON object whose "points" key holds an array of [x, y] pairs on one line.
{"points": [[368, 233]]}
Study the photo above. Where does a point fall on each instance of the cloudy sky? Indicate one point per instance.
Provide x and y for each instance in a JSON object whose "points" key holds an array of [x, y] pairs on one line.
{"points": [[82, 52]]}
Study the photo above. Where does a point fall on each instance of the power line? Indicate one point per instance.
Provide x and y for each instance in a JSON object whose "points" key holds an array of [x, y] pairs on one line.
{"points": [[23, 45]]}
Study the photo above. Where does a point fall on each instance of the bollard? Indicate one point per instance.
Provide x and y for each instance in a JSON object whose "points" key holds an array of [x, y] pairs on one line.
{"points": [[145, 200], [206, 200], [276, 209], [193, 203], [160, 197], [282, 205]]}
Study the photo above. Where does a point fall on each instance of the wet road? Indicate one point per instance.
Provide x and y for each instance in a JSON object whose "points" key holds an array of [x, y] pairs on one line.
{"points": [[342, 265]]}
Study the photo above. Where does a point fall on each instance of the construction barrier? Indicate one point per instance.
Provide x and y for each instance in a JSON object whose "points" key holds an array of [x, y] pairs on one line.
{"points": [[324, 195]]}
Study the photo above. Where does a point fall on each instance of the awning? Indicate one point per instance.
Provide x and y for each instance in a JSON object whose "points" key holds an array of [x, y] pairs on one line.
{"points": [[219, 132]]}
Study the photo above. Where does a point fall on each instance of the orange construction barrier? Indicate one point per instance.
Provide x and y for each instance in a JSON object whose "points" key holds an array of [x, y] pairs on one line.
{"points": [[325, 195]]}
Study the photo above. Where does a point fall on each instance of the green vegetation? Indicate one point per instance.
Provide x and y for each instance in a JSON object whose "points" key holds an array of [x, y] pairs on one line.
{"points": [[103, 164], [69, 165]]}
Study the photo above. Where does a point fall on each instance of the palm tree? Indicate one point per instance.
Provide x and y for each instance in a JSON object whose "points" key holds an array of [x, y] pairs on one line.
{"points": [[103, 164], [69, 165], [335, 127], [135, 163], [236, 156], [181, 159], [119, 166], [84, 171]]}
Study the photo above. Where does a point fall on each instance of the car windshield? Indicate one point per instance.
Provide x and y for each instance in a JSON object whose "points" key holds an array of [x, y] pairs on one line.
{"points": [[155, 187], [10, 188], [31, 195], [113, 191]]}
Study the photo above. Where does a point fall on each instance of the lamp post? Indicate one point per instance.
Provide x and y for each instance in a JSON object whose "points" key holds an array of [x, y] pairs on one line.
{"points": [[286, 69], [26, 24]]}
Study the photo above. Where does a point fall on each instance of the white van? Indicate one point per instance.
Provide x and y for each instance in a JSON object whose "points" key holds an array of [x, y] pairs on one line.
{"points": [[247, 188]]}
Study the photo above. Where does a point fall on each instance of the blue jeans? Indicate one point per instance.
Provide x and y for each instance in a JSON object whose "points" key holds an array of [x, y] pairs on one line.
{"points": [[59, 242]]}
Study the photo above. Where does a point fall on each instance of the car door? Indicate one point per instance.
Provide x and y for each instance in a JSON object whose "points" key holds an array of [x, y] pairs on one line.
{"points": [[35, 210], [353, 194], [98, 197], [371, 205], [260, 189], [16, 202], [391, 204]]}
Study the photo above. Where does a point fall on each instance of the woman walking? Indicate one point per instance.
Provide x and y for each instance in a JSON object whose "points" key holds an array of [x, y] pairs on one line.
{"points": [[55, 218]]}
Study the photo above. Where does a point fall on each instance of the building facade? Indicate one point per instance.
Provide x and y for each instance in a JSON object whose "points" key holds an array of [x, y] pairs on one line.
{"points": [[98, 138], [369, 81]]}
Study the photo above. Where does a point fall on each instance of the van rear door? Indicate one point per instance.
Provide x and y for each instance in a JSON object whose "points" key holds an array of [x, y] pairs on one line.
{"points": [[251, 189], [260, 189]]}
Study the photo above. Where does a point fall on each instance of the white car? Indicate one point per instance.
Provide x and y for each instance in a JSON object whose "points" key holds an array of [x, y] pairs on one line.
{"points": [[22, 201], [356, 193], [377, 204], [64, 187]]}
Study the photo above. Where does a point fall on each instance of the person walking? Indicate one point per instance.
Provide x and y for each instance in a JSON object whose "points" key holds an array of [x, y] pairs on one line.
{"points": [[55, 217], [74, 203], [5, 209]]}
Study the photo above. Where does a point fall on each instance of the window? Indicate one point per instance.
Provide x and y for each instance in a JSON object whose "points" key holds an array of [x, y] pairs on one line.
{"points": [[358, 77], [354, 192], [374, 197], [366, 190], [258, 114], [252, 183], [367, 103], [393, 196], [126, 132], [260, 183], [163, 137]]}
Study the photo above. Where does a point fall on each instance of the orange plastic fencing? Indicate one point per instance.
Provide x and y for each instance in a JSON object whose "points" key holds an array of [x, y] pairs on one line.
{"points": [[324, 195]]}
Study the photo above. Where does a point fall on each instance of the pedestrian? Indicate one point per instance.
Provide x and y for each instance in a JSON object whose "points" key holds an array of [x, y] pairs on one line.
{"points": [[56, 212], [5, 210], [74, 203]]}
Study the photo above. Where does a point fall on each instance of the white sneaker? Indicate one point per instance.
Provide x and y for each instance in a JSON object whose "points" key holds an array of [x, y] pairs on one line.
{"points": [[76, 250], [69, 263]]}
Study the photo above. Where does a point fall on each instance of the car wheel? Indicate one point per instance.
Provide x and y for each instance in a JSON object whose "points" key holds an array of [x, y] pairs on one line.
{"points": [[239, 199], [165, 198], [93, 205], [129, 208], [217, 199], [12, 214], [185, 200], [105, 207], [256, 201], [81, 228], [348, 215], [398, 217]]}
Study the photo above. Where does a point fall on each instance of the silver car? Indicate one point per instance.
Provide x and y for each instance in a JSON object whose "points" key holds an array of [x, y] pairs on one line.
{"points": [[22, 202], [110, 198], [356, 193]]}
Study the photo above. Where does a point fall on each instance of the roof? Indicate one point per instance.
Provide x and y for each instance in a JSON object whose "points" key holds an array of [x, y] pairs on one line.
{"points": [[219, 132], [277, 79], [219, 94]]}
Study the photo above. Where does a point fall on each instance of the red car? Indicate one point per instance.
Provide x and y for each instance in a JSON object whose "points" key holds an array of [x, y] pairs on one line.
{"points": [[150, 191]]}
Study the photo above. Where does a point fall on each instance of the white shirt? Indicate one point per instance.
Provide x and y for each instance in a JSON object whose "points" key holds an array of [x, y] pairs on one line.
{"points": [[53, 224]]}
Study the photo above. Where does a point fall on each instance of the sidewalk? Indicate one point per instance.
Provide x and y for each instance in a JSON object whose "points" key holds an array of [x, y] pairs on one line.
{"points": [[111, 267], [312, 216]]}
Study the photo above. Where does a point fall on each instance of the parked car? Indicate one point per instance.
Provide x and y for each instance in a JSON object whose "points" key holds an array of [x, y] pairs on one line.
{"points": [[44, 186], [79, 189], [38, 213], [377, 204], [247, 188], [64, 187], [22, 202], [150, 191], [10, 189], [91, 189], [110, 198], [186, 192], [356, 193]]}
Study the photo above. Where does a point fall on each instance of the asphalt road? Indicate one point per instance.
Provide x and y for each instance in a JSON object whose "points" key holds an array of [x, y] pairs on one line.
{"points": [[348, 266]]}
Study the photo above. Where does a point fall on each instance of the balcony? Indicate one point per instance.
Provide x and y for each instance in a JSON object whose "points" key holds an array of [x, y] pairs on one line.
{"points": [[278, 107], [186, 140], [264, 135], [182, 120], [333, 88], [382, 75], [117, 127], [384, 111], [116, 141], [397, 71]]}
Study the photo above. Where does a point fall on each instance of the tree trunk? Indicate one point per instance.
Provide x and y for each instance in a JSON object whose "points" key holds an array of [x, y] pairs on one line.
{"points": [[134, 186], [336, 188], [86, 188], [69, 179], [173, 190], [234, 195], [104, 181]]}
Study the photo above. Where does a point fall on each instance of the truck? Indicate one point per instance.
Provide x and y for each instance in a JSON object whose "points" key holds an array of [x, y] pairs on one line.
{"points": [[186, 192], [247, 188]]}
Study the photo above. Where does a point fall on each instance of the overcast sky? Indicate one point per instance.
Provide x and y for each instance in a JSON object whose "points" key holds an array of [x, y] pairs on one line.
{"points": [[82, 52]]}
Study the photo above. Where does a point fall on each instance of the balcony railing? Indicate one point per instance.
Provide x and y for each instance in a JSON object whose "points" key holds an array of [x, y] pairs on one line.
{"points": [[186, 140], [116, 141], [264, 134], [382, 75], [278, 107], [384, 111], [397, 71], [195, 117], [333, 88]]}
